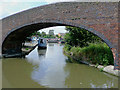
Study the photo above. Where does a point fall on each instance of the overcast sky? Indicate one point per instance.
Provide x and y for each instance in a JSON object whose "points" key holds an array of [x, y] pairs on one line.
{"points": [[9, 7], [57, 29]]}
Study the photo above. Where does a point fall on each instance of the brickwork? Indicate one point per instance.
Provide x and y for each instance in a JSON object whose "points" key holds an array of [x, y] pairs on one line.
{"points": [[98, 18]]}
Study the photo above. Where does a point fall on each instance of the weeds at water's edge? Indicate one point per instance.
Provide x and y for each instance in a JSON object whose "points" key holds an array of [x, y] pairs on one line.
{"points": [[101, 69], [99, 54], [26, 48]]}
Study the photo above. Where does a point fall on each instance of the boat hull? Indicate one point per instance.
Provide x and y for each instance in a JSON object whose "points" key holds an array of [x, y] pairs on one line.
{"points": [[41, 47]]}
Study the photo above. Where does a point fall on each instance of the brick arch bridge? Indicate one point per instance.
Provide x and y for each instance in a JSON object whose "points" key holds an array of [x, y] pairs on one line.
{"points": [[98, 18]]}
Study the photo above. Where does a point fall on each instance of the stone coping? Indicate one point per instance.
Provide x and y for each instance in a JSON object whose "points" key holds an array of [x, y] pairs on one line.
{"points": [[108, 69]]}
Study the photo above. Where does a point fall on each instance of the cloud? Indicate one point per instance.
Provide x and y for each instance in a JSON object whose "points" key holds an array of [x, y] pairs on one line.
{"points": [[9, 8], [57, 29], [22, 0]]}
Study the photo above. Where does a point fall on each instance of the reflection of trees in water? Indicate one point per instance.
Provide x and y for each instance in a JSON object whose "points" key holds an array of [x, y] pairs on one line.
{"points": [[81, 76]]}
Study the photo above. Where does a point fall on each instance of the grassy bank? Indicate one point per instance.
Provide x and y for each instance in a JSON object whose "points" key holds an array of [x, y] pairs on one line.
{"points": [[99, 54]]}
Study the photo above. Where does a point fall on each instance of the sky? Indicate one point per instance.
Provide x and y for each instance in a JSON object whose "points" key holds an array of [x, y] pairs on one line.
{"points": [[57, 29], [9, 7]]}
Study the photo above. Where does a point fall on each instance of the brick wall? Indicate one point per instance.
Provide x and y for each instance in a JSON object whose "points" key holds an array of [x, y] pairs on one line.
{"points": [[98, 18]]}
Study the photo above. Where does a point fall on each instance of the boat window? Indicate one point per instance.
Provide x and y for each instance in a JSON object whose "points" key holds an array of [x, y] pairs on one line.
{"points": [[41, 41]]}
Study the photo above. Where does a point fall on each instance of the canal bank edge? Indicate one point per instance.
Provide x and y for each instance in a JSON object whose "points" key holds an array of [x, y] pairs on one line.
{"points": [[108, 69]]}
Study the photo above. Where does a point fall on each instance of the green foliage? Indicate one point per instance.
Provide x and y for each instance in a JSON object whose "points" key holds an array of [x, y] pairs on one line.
{"points": [[86, 46], [96, 65], [67, 47], [49, 36], [43, 34], [80, 37], [98, 53], [57, 36], [101, 69], [27, 48], [34, 34]]}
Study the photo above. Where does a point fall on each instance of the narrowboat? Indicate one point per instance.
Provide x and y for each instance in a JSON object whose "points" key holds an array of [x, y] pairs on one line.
{"points": [[42, 43]]}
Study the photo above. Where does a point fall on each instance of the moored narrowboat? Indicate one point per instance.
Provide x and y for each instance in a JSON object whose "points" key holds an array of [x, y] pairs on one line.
{"points": [[42, 44]]}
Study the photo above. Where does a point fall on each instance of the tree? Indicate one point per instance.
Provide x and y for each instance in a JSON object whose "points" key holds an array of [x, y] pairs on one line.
{"points": [[79, 37], [43, 34], [35, 34], [67, 38], [57, 36]]}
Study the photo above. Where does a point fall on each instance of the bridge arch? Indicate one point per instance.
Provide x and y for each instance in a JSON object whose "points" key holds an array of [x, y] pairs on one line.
{"points": [[94, 17]]}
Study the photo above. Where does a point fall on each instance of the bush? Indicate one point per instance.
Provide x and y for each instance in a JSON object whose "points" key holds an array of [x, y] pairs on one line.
{"points": [[27, 48], [101, 69], [98, 53], [80, 37], [67, 47]]}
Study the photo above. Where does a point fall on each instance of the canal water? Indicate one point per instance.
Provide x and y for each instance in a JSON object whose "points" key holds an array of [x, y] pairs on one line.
{"points": [[50, 69]]}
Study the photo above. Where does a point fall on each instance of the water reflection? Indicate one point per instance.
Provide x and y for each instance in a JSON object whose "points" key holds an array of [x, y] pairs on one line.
{"points": [[50, 72], [42, 53], [50, 44], [48, 68], [83, 77]]}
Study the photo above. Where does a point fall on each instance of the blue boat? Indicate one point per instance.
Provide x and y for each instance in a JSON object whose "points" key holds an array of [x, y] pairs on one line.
{"points": [[42, 43]]}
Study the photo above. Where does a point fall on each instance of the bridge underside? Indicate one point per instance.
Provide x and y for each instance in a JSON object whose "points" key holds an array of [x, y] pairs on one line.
{"points": [[13, 42]]}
